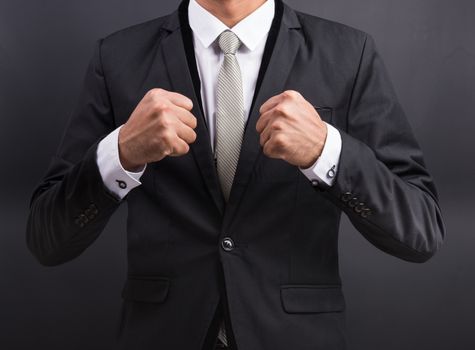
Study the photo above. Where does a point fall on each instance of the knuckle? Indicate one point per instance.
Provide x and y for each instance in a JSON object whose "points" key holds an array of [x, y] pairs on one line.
{"points": [[292, 93], [271, 149], [158, 91], [188, 103], [154, 93], [150, 93], [161, 106], [164, 123], [279, 141], [167, 137], [181, 148], [277, 125], [261, 140], [287, 94], [281, 109], [193, 136], [266, 149], [167, 151], [194, 122], [260, 125], [155, 140]]}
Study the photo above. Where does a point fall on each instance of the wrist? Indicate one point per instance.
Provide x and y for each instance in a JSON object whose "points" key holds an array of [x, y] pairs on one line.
{"points": [[124, 155], [127, 164], [311, 162], [317, 150]]}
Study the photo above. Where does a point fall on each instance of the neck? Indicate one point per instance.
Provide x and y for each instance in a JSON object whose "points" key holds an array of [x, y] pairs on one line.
{"points": [[230, 12]]}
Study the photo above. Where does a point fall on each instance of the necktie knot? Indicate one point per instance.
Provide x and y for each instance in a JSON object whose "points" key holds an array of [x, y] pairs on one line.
{"points": [[229, 42]]}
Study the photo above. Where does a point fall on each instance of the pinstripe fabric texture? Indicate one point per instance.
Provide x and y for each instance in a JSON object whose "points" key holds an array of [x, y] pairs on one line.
{"points": [[229, 112]]}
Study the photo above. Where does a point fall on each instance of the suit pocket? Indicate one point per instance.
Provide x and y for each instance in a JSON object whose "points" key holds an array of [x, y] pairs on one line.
{"points": [[146, 289], [326, 113], [309, 298]]}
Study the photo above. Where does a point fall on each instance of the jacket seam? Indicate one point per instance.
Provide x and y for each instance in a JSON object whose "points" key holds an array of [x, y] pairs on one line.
{"points": [[355, 81]]}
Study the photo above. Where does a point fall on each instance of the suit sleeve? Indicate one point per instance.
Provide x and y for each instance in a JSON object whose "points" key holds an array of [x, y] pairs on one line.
{"points": [[382, 183], [71, 205]]}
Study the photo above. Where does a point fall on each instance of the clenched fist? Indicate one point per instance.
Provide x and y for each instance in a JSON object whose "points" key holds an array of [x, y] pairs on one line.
{"points": [[291, 129], [161, 125]]}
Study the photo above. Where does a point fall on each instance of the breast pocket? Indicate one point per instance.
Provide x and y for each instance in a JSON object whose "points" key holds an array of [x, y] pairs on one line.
{"points": [[325, 113]]}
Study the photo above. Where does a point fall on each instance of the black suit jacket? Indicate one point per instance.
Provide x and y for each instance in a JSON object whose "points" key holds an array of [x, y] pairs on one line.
{"points": [[280, 284]]}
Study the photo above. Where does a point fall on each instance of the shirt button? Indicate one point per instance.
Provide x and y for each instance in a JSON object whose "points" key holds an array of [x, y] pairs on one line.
{"points": [[121, 184], [227, 244]]}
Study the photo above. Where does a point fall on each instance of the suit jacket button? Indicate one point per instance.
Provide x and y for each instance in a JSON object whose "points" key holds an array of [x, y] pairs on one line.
{"points": [[366, 212], [89, 213], [93, 208], [79, 222], [345, 197], [84, 218], [315, 183], [353, 202], [359, 207], [227, 244]]}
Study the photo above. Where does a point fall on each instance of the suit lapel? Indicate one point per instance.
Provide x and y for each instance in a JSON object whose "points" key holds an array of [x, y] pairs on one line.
{"points": [[176, 63], [280, 64]]}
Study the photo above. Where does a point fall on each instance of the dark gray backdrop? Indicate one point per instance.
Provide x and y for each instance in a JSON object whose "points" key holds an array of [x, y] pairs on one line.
{"points": [[429, 49]]}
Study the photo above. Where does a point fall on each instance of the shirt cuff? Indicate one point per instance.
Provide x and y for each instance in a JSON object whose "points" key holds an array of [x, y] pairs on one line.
{"points": [[117, 180], [325, 168]]}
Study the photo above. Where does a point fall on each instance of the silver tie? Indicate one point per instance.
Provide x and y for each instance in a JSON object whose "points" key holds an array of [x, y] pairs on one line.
{"points": [[229, 120], [229, 112]]}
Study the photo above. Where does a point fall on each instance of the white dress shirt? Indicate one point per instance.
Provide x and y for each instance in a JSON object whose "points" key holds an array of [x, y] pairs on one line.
{"points": [[252, 31]]}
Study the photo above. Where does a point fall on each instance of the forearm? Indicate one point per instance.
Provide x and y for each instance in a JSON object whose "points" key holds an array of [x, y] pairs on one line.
{"points": [[396, 211], [69, 211]]}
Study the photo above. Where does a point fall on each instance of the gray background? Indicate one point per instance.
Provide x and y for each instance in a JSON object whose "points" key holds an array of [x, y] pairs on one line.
{"points": [[429, 49]]}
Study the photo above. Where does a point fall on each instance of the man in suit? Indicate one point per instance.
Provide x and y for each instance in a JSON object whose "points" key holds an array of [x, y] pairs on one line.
{"points": [[237, 132]]}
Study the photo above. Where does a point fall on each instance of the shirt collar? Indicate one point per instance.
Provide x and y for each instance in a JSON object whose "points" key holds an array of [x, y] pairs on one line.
{"points": [[250, 30]]}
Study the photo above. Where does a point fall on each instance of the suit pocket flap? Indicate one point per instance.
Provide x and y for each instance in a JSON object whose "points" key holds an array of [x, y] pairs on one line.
{"points": [[146, 289], [312, 298]]}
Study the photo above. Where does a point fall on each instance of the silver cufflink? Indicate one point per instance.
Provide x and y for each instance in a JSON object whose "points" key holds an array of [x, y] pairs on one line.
{"points": [[331, 173]]}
